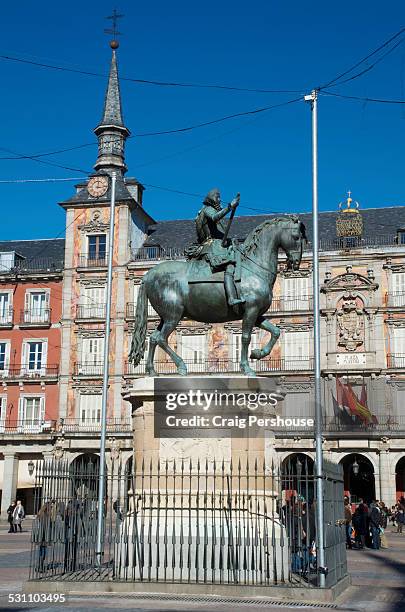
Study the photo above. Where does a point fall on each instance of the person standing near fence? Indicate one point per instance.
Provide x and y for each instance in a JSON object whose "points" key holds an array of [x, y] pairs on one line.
{"points": [[18, 515], [348, 522]]}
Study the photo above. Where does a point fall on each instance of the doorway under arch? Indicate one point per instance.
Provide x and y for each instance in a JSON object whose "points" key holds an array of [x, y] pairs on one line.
{"points": [[359, 478], [297, 477], [400, 478]]}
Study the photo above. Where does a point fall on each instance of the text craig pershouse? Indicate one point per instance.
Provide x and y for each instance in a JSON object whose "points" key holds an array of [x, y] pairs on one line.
{"points": [[200, 407]]}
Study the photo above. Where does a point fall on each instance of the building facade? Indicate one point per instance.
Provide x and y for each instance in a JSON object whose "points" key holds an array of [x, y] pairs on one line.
{"points": [[362, 267]]}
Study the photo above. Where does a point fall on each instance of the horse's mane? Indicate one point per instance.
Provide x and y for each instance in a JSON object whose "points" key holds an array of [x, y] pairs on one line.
{"points": [[252, 239]]}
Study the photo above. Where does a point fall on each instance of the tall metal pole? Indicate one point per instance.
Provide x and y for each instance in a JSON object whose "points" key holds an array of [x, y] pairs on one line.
{"points": [[313, 99], [101, 482]]}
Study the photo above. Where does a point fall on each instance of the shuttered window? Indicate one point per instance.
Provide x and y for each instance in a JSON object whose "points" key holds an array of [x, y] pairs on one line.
{"points": [[94, 301], [296, 348], [237, 349], [3, 408], [296, 293], [398, 347], [31, 413], [193, 350], [398, 289], [90, 409]]}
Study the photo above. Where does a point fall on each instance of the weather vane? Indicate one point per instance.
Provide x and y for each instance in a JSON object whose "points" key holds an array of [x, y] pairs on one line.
{"points": [[114, 44]]}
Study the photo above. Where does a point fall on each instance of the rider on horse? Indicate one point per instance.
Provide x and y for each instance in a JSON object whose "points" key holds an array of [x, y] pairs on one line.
{"points": [[214, 246]]}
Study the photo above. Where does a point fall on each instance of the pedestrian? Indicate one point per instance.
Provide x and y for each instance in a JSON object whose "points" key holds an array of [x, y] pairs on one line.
{"points": [[375, 524], [360, 525], [400, 517], [10, 512], [348, 522], [18, 515]]}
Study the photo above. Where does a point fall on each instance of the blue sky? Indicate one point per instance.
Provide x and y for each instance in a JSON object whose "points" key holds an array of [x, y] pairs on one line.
{"points": [[261, 44]]}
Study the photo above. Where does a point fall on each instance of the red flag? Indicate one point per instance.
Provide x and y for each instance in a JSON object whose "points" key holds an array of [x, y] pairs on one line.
{"points": [[363, 402]]}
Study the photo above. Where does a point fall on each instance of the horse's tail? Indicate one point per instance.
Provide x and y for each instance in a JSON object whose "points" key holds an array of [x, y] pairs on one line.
{"points": [[141, 320]]}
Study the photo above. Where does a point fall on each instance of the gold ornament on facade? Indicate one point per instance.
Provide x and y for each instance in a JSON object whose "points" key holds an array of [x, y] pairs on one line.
{"points": [[349, 221]]}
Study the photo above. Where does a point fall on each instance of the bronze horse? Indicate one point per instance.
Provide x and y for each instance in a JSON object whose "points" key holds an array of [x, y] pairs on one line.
{"points": [[174, 293]]}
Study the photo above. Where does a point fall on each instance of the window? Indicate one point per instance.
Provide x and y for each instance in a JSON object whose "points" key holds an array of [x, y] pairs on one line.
{"points": [[31, 413], [92, 356], [398, 347], [296, 350], [296, 293], [401, 236], [97, 244], [151, 311], [4, 358], [6, 315], [3, 409], [90, 409], [34, 357], [94, 302], [398, 289], [193, 351], [36, 307]]}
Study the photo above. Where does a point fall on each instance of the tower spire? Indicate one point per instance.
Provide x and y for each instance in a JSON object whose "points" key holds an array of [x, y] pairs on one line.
{"points": [[111, 131]]}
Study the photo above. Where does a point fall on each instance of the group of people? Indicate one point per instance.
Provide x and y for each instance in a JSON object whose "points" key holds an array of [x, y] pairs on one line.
{"points": [[15, 516], [365, 527]]}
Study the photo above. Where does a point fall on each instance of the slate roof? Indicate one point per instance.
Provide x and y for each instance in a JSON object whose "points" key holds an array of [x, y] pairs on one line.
{"points": [[179, 233], [38, 254]]}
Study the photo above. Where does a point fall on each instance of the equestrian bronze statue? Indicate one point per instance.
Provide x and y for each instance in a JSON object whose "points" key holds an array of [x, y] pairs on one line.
{"points": [[220, 281]]}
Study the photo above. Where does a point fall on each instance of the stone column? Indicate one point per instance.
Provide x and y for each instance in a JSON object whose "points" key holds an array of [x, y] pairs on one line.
{"points": [[387, 478], [10, 478], [146, 446]]}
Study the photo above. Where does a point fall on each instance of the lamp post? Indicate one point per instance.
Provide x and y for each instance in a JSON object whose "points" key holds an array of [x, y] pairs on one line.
{"points": [[355, 467], [101, 481], [312, 98]]}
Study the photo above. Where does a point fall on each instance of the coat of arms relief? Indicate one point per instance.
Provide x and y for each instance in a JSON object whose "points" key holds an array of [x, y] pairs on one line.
{"points": [[350, 319]]}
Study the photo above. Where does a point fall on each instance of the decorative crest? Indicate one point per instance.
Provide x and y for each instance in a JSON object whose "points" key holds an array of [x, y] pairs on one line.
{"points": [[348, 204], [349, 222]]}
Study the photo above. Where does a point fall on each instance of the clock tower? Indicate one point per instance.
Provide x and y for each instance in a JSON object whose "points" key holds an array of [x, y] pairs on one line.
{"points": [[111, 131]]}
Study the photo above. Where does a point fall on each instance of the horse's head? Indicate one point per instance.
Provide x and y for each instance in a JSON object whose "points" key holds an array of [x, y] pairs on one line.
{"points": [[292, 237]]}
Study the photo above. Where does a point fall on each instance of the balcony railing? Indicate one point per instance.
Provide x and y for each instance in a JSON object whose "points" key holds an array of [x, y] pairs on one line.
{"points": [[27, 426], [395, 360], [24, 371], [384, 424], [36, 264], [91, 261], [87, 368], [223, 366], [6, 317], [96, 311], [36, 317], [156, 253], [396, 298], [285, 304], [114, 425]]}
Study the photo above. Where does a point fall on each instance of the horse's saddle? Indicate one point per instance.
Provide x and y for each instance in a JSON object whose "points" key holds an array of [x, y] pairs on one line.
{"points": [[200, 271]]}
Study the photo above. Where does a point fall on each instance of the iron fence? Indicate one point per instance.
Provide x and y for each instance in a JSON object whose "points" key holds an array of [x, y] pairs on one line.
{"points": [[186, 522]]}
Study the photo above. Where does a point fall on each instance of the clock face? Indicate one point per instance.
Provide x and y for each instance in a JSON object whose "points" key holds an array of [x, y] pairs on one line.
{"points": [[97, 186]]}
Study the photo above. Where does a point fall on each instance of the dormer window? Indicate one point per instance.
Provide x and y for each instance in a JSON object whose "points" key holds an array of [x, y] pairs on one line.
{"points": [[401, 236]]}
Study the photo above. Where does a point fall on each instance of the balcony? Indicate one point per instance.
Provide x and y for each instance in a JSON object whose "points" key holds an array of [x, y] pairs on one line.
{"points": [[22, 372], [27, 426], [92, 261], [94, 312], [93, 369], [224, 366], [291, 304], [396, 299], [35, 317], [76, 426], [395, 360], [6, 318], [332, 425], [131, 311]]}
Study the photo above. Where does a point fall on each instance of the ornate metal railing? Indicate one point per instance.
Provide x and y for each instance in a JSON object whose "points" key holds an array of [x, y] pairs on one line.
{"points": [[89, 425], [35, 316], [27, 426], [194, 522], [85, 311], [36, 264], [395, 360], [223, 366], [285, 304], [88, 368], [131, 310], [88, 261], [24, 371]]}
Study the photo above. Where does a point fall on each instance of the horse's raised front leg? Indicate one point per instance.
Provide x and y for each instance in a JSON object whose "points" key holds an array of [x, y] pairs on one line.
{"points": [[275, 334], [161, 338], [248, 322]]}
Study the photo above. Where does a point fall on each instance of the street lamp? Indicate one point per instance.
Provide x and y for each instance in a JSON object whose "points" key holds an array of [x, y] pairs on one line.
{"points": [[355, 467]]}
